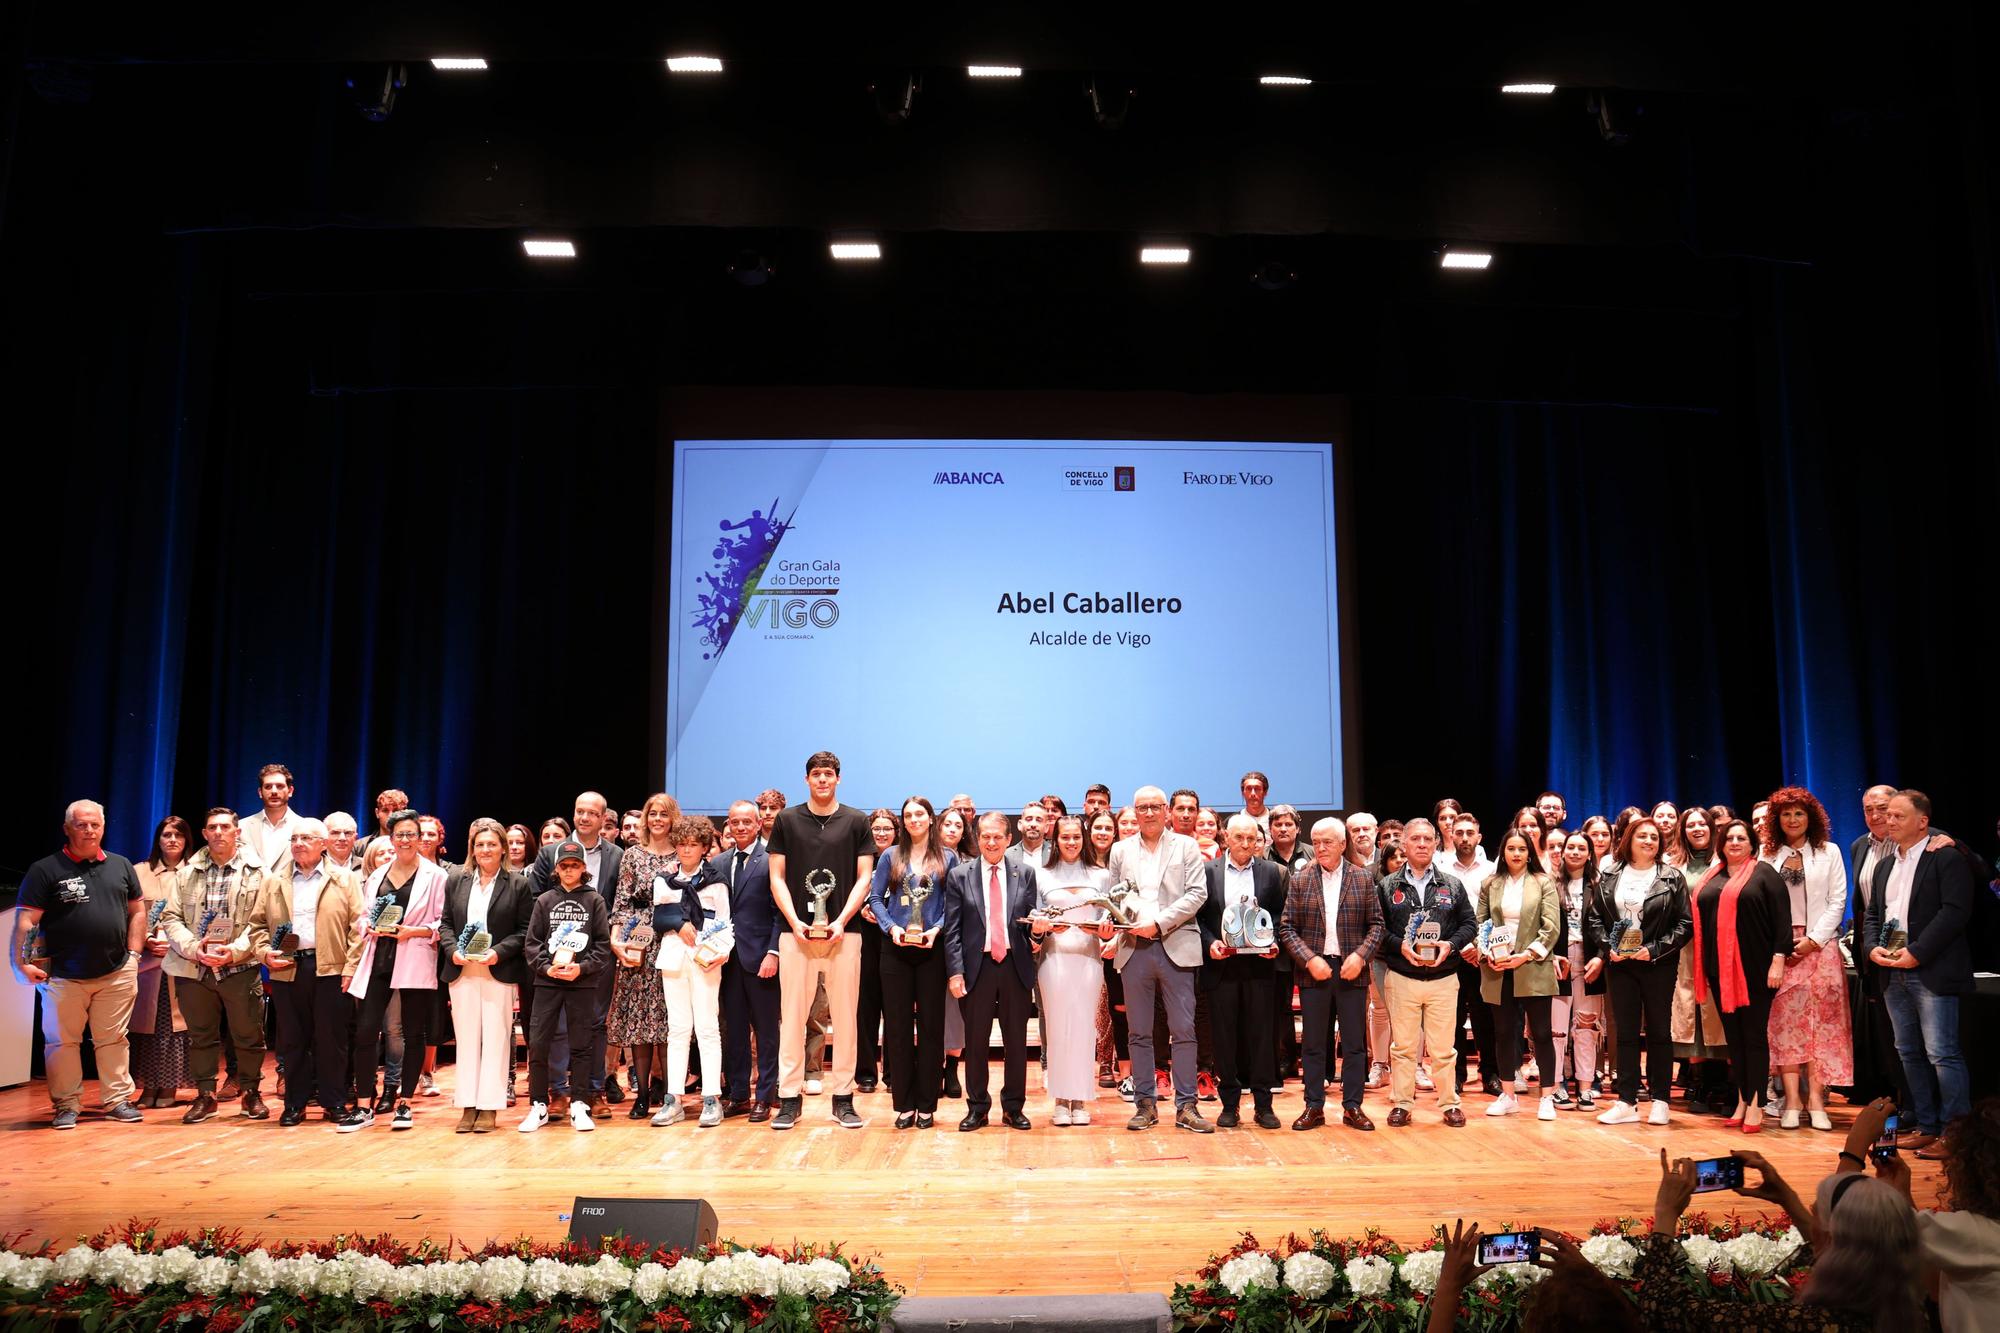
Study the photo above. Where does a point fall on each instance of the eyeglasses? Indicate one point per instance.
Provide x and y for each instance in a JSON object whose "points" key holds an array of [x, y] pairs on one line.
{"points": [[402, 837], [1152, 808]]}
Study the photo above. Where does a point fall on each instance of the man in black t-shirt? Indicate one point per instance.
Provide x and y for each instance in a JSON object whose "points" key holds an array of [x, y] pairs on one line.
{"points": [[92, 917], [819, 852]]}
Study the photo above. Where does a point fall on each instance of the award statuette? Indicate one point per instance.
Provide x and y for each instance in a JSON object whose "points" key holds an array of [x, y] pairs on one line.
{"points": [[1499, 944], [917, 890], [1246, 928], [1627, 939], [474, 943], [386, 914], [1895, 939], [634, 933], [285, 944], [566, 941], [154, 910], [715, 943], [215, 932], [1124, 906], [820, 885], [35, 948], [1425, 938]]}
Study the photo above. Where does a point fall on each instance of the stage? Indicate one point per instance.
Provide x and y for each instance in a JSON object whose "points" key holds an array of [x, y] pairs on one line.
{"points": [[1089, 1209]]}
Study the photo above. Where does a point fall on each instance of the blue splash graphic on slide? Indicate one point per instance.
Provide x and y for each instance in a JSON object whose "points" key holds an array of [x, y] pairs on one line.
{"points": [[732, 581]]}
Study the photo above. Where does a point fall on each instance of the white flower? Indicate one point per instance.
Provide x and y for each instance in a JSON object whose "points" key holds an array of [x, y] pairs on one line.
{"points": [[34, 1274], [1524, 1275], [827, 1277], [1308, 1275], [256, 1272], [121, 1267], [1369, 1274], [722, 1276], [766, 1269], [1756, 1255], [73, 1264], [500, 1278], [174, 1265], [297, 1275], [545, 1278], [1705, 1254], [373, 1277], [10, 1268], [1789, 1243], [1245, 1269], [605, 1279], [453, 1280], [684, 1278], [211, 1276], [1611, 1255], [1421, 1270], [649, 1284]]}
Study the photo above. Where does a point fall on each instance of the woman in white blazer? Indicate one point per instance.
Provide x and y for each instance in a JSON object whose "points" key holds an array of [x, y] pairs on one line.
{"points": [[1810, 1033]]}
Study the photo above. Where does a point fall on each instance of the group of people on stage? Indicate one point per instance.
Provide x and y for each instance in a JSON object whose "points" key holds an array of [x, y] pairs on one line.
{"points": [[910, 933]]}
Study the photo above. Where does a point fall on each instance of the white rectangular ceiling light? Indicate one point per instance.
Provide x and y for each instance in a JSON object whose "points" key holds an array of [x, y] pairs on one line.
{"points": [[458, 62], [993, 71], [1164, 254], [549, 249], [1284, 81], [855, 250], [694, 65], [1540, 89], [1465, 259]]}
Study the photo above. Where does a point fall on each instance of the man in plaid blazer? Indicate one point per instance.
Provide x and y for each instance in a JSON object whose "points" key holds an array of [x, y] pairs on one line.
{"points": [[1332, 968]]}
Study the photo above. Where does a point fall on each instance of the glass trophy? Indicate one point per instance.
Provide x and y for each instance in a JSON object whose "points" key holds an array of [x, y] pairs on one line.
{"points": [[1627, 939], [917, 890], [566, 941], [154, 911], [285, 943], [820, 885], [1895, 939], [474, 943], [1500, 944], [387, 913], [35, 948], [633, 934], [715, 943], [216, 932], [1425, 938]]}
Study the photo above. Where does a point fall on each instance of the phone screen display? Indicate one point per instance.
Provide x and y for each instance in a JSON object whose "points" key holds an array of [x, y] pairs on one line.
{"points": [[1718, 1173], [1510, 1247]]}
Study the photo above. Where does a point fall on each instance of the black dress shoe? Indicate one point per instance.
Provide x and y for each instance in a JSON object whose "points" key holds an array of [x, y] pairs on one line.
{"points": [[1014, 1120], [292, 1116], [1266, 1118], [612, 1092], [864, 1085], [1356, 1118], [904, 1119], [1399, 1117], [973, 1120], [759, 1112], [925, 1120], [1227, 1118], [1311, 1118]]}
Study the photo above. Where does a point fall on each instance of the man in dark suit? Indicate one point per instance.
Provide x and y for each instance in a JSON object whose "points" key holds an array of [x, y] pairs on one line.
{"points": [[750, 981], [1330, 952], [1878, 1071], [601, 859], [1239, 982], [989, 958], [1928, 890]]}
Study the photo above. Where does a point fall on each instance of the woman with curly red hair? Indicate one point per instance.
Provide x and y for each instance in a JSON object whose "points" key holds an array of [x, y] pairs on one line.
{"points": [[1810, 1035]]}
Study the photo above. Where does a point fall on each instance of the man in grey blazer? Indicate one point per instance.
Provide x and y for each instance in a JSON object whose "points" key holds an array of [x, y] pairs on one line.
{"points": [[1162, 955]]}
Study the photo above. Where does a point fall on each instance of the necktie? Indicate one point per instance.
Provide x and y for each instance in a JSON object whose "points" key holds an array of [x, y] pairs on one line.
{"points": [[996, 916], [737, 867]]}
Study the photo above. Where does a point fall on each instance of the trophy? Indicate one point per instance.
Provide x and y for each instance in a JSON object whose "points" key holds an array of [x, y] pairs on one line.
{"points": [[566, 941], [154, 910], [917, 889], [636, 932], [715, 943], [1123, 905], [1247, 928], [215, 932], [1894, 938], [35, 948], [386, 914], [1499, 942], [820, 885], [474, 942], [1627, 939], [287, 945], [1425, 938]]}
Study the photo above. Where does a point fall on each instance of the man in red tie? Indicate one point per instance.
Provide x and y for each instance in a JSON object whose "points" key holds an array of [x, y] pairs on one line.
{"points": [[991, 966]]}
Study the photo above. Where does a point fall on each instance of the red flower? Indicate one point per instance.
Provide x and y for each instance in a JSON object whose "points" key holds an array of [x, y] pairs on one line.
{"points": [[584, 1321]]}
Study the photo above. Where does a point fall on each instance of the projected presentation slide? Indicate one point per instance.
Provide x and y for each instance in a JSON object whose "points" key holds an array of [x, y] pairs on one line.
{"points": [[1004, 618]]}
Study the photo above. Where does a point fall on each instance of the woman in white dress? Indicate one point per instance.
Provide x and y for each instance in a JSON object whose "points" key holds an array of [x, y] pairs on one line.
{"points": [[1072, 973]]}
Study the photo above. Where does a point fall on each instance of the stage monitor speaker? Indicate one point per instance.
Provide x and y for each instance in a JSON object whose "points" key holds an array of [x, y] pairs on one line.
{"points": [[675, 1223]]}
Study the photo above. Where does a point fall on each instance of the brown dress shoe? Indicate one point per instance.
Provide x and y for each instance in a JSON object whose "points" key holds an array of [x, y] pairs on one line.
{"points": [[600, 1107], [1454, 1117], [1934, 1151], [1356, 1118], [466, 1120], [231, 1090], [558, 1106], [730, 1110], [253, 1106], [484, 1121], [1311, 1118], [1399, 1117], [759, 1112], [202, 1108]]}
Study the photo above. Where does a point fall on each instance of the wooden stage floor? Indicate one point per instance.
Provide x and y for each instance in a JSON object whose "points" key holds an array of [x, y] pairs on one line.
{"points": [[1092, 1209]]}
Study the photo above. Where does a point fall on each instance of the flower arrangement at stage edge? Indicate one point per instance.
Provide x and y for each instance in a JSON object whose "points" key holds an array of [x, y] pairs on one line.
{"points": [[137, 1277], [1372, 1284]]}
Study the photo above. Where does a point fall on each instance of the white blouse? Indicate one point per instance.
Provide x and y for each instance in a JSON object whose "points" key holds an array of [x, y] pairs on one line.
{"points": [[1826, 888]]}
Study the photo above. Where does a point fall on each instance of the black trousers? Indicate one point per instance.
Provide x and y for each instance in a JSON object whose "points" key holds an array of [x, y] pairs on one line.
{"points": [[1645, 991], [997, 992], [1321, 1005], [1471, 1006], [912, 984], [1749, 1033], [1285, 1032], [577, 1003], [868, 1002], [1239, 1018], [368, 1033], [1507, 1033], [749, 1007], [312, 1036]]}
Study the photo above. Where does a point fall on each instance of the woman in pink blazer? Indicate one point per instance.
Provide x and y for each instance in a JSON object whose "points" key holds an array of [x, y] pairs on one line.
{"points": [[395, 959]]}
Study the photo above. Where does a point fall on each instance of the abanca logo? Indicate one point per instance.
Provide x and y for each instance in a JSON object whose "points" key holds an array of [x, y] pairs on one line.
{"points": [[951, 478]]}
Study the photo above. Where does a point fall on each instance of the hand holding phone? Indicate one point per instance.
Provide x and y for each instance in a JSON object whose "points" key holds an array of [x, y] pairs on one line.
{"points": [[1884, 1147], [1718, 1173], [1510, 1247]]}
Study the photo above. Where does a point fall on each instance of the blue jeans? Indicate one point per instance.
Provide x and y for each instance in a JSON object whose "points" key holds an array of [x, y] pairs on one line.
{"points": [[1927, 1040]]}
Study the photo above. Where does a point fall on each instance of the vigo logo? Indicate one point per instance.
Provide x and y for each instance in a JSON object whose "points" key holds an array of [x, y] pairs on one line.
{"points": [[774, 611], [952, 478]]}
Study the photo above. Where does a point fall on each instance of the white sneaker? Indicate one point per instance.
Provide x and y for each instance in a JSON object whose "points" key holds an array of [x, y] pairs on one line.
{"points": [[1504, 1104], [671, 1112], [1658, 1115], [537, 1116], [579, 1117], [1079, 1113], [1621, 1113], [813, 1087], [711, 1112], [1061, 1116], [1520, 1084], [1548, 1109], [1424, 1083], [1375, 1073]]}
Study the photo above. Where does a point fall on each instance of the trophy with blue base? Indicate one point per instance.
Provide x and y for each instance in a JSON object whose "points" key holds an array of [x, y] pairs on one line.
{"points": [[475, 943], [1894, 939], [1425, 938]]}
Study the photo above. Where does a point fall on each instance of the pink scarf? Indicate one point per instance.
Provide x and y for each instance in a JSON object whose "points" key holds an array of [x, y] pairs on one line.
{"points": [[1734, 989]]}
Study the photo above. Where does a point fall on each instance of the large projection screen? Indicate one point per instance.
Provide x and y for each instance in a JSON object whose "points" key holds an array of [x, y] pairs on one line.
{"points": [[1003, 618]]}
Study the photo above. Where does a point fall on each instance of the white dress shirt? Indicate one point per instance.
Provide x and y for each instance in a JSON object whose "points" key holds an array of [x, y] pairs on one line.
{"points": [[1329, 887], [480, 902], [1902, 876], [305, 904]]}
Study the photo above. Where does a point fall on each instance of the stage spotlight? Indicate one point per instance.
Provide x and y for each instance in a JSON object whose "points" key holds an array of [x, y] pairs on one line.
{"points": [[847, 251], [1464, 259], [1275, 275], [896, 96], [1109, 102], [1165, 254], [549, 248], [993, 71], [374, 92], [1530, 89], [1284, 81], [458, 62], [694, 65], [752, 269]]}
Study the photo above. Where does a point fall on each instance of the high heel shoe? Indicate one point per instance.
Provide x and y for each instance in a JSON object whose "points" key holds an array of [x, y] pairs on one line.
{"points": [[1753, 1126]]}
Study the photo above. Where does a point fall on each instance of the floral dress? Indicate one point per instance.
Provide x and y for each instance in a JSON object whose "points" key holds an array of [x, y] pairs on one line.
{"points": [[1809, 1023], [638, 1013]]}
